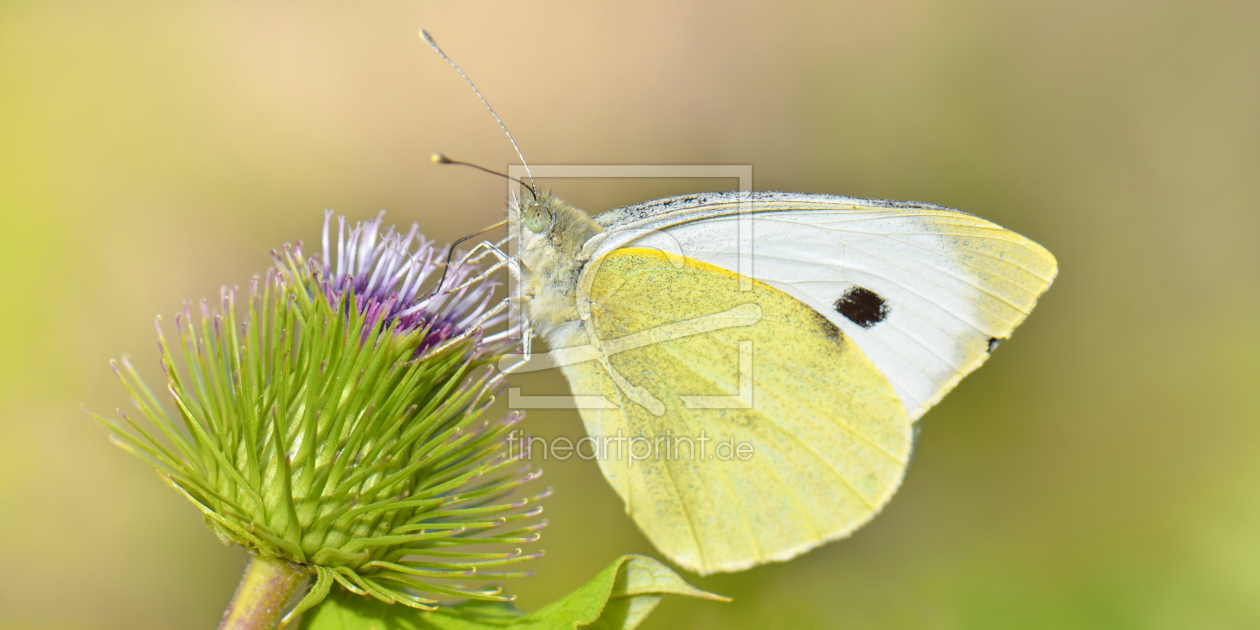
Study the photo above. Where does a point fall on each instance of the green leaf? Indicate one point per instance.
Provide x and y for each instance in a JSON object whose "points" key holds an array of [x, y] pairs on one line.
{"points": [[619, 598]]}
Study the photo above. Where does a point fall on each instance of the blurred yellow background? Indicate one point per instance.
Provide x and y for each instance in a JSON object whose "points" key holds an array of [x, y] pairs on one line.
{"points": [[1101, 471]]}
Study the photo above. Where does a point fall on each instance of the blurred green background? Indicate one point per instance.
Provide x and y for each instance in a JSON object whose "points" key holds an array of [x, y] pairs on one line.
{"points": [[1101, 471]]}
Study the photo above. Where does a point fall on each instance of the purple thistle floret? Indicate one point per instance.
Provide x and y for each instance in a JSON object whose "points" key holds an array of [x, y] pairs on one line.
{"points": [[388, 279]]}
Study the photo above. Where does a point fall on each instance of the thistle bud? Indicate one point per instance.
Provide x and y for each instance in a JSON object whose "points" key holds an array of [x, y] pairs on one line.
{"points": [[335, 424]]}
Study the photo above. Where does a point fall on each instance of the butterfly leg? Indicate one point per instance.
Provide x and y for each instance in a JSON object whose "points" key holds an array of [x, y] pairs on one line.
{"points": [[472, 327], [527, 338], [486, 248], [479, 252]]}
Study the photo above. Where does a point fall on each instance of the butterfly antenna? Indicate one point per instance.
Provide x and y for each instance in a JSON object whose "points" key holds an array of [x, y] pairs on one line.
{"points": [[432, 44], [438, 158]]}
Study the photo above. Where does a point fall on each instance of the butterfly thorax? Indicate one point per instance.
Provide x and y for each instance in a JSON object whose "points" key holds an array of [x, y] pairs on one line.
{"points": [[551, 260]]}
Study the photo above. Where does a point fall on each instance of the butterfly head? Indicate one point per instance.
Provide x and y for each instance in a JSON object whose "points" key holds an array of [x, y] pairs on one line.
{"points": [[552, 234], [549, 222]]}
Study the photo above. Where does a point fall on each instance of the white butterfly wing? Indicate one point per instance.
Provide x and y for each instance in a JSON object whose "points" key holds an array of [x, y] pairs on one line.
{"points": [[926, 292]]}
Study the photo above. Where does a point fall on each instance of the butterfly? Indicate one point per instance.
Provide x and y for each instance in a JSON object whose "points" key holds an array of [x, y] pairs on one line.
{"points": [[806, 333]]}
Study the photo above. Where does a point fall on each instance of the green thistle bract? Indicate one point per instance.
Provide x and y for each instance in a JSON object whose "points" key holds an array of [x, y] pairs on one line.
{"points": [[338, 426]]}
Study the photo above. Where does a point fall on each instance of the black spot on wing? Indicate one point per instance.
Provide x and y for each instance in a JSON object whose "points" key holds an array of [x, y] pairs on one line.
{"points": [[862, 306], [993, 344]]}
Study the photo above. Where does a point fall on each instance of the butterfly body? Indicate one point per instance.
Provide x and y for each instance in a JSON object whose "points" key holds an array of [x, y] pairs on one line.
{"points": [[554, 262], [813, 329]]}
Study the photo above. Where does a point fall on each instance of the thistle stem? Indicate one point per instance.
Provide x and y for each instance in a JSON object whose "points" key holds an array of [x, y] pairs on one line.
{"points": [[266, 587]]}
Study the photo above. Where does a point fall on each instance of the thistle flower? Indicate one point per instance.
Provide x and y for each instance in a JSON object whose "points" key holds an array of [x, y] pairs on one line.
{"points": [[335, 429]]}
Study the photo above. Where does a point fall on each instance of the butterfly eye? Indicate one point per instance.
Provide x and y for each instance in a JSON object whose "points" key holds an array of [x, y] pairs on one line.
{"points": [[538, 218]]}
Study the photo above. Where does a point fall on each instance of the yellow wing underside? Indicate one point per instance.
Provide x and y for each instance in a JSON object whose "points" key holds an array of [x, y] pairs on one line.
{"points": [[724, 483]]}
